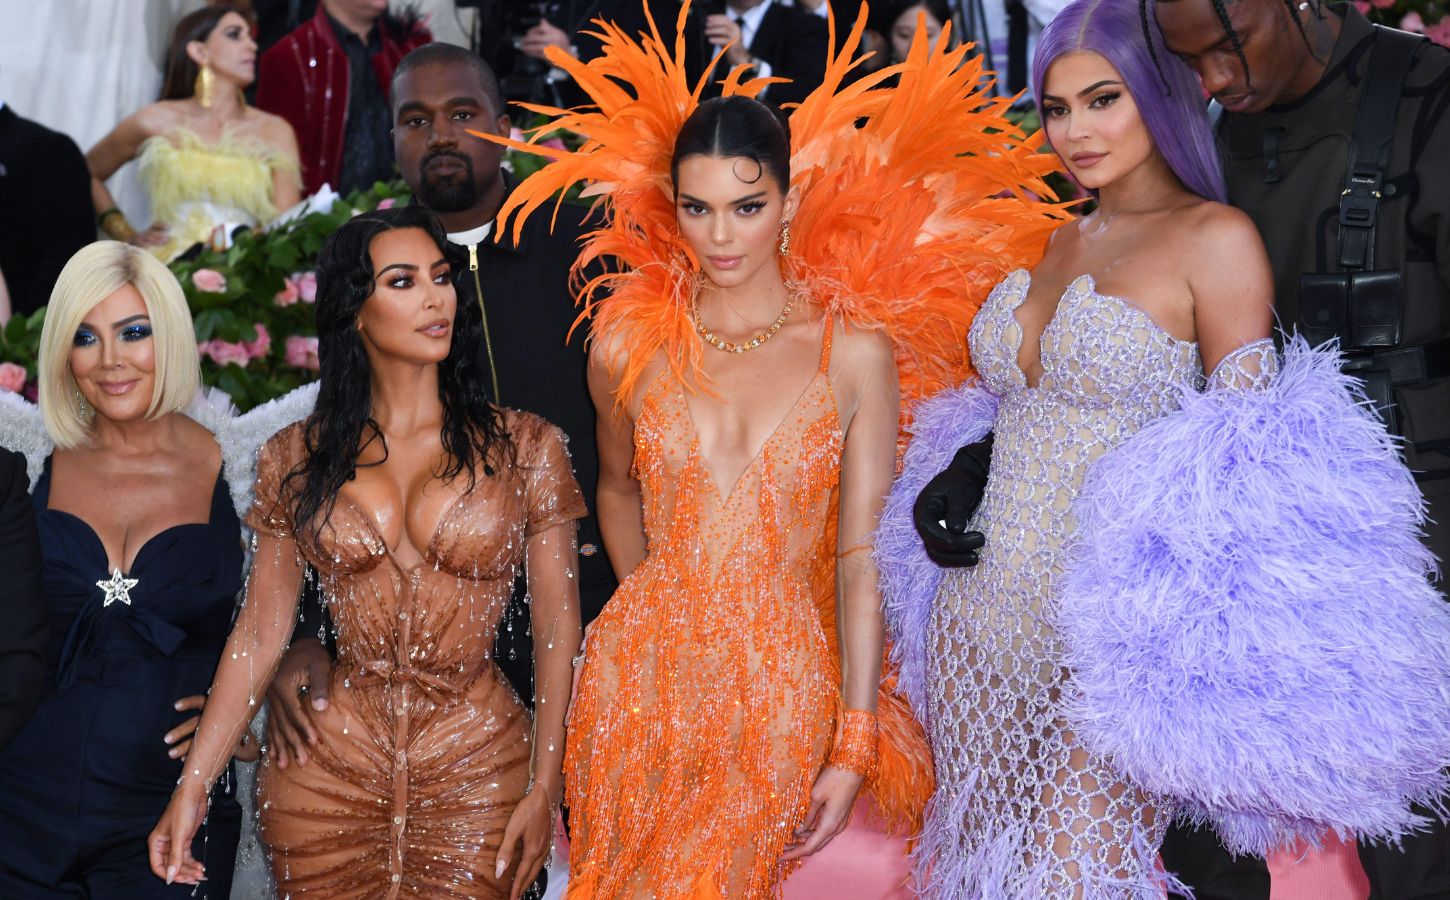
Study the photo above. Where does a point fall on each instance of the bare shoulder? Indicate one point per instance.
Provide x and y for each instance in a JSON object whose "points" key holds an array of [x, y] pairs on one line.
{"points": [[273, 128], [864, 350], [158, 118], [1218, 232]]}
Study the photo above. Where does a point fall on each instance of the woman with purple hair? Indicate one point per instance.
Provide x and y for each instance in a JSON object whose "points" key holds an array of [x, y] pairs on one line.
{"points": [[1200, 593]]}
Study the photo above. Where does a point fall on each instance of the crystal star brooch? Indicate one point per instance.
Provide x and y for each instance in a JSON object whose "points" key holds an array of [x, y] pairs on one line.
{"points": [[117, 588]]}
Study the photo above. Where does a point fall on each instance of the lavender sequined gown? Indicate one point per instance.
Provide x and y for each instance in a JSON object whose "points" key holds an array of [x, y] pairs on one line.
{"points": [[1022, 810]]}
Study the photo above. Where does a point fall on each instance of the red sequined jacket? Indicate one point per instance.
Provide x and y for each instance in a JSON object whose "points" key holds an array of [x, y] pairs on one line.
{"points": [[304, 79]]}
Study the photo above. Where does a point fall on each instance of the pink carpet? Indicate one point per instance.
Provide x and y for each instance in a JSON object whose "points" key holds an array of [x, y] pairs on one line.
{"points": [[863, 864]]}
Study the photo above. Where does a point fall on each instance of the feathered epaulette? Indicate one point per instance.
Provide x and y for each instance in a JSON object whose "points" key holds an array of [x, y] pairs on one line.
{"points": [[22, 430], [918, 195]]}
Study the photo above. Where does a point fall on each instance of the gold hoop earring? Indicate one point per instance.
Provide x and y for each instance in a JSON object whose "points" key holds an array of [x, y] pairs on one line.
{"points": [[785, 238], [203, 86]]}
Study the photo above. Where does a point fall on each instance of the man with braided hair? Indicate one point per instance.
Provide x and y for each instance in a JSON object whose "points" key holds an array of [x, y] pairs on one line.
{"points": [[1360, 250]]}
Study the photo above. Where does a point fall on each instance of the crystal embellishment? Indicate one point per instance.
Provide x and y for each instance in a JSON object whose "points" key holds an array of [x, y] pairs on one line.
{"points": [[117, 588]]}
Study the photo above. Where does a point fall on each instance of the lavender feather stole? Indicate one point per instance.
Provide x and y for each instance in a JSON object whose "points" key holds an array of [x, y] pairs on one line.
{"points": [[1248, 619], [909, 580]]}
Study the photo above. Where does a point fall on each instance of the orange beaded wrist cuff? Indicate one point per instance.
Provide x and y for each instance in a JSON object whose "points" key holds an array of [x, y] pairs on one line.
{"points": [[854, 748]]}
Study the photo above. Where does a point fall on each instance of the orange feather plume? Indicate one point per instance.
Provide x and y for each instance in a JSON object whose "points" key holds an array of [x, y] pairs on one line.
{"points": [[916, 198]]}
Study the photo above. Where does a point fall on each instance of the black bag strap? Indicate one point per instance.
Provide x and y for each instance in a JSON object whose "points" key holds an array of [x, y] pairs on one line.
{"points": [[1369, 154]]}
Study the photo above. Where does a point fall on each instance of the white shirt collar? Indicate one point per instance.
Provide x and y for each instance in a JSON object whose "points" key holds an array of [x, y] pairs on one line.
{"points": [[472, 236], [752, 17]]}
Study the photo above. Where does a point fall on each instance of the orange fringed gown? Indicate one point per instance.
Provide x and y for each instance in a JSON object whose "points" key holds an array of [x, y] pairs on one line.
{"points": [[711, 683], [707, 700]]}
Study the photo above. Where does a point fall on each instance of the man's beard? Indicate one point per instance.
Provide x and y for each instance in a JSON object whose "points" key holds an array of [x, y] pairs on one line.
{"points": [[447, 195]]}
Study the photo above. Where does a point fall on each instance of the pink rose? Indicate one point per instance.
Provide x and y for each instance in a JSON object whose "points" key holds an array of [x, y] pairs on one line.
{"points": [[288, 295], [387, 203], [12, 377], [209, 280], [1382, 4], [306, 286], [556, 143], [301, 352], [1440, 32], [1413, 22], [224, 352], [1363, 6], [263, 342]]}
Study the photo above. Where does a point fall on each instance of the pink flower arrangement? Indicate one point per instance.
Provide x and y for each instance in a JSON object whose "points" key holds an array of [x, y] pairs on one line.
{"points": [[209, 280], [1440, 31], [301, 352], [1413, 22], [237, 352], [386, 203], [297, 286], [1382, 4], [306, 286], [259, 346], [288, 295], [12, 377], [225, 352]]}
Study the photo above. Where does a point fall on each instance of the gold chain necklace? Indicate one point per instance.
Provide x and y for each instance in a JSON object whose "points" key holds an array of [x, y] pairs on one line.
{"points": [[709, 336]]}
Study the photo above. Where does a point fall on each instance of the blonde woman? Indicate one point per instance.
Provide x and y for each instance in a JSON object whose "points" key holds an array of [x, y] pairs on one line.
{"points": [[141, 564], [209, 162]]}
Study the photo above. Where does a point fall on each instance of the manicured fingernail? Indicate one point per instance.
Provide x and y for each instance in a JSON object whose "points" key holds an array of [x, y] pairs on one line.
{"points": [[498, 869], [171, 753], [319, 704], [170, 874]]}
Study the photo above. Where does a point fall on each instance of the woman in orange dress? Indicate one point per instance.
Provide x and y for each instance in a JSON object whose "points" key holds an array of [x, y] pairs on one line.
{"points": [[418, 503], [745, 367]]}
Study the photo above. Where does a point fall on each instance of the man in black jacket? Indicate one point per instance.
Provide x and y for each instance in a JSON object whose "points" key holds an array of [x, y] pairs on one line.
{"points": [[45, 191], [23, 622], [529, 358]]}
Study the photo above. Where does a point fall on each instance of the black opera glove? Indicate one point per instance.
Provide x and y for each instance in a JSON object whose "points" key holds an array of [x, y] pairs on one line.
{"points": [[947, 503]]}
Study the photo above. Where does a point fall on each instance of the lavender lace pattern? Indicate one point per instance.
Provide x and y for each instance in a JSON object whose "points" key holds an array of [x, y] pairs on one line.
{"points": [[1022, 809]]}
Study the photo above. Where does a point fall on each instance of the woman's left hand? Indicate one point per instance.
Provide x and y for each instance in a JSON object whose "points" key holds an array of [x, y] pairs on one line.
{"points": [[527, 839], [832, 799], [247, 749]]}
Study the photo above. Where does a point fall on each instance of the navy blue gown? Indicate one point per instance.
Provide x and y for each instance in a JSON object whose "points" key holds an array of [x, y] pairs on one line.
{"points": [[88, 776]]}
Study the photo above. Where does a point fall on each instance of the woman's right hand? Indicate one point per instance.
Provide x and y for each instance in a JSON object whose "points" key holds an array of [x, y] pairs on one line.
{"points": [[169, 845], [154, 236]]}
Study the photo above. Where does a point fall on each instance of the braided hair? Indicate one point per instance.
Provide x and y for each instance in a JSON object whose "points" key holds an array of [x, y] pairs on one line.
{"points": [[1220, 9]]}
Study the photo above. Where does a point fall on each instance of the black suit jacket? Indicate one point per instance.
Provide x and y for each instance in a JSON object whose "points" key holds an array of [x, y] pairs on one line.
{"points": [[791, 39], [794, 42], [23, 621], [45, 193]]}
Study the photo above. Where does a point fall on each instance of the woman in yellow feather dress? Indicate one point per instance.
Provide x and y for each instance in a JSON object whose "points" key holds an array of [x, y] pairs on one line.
{"points": [[208, 161], [724, 718]]}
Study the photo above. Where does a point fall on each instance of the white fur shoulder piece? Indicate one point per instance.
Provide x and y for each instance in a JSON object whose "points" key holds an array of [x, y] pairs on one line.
{"points": [[242, 436], [22, 430]]}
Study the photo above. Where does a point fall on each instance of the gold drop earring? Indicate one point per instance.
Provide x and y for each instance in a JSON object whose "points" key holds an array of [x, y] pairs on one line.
{"points": [[784, 237], [203, 86]]}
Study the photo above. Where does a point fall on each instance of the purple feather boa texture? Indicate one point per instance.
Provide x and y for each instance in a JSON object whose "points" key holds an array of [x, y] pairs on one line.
{"points": [[1248, 620], [909, 580]]}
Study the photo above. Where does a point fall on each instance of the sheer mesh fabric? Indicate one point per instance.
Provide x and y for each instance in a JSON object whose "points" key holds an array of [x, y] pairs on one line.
{"points": [[1024, 810], [424, 749]]}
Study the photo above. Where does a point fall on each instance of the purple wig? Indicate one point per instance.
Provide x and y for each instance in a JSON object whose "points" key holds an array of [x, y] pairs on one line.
{"points": [[1167, 94]]}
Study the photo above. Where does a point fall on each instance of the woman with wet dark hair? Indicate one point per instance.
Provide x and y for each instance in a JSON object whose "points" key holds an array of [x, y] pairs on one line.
{"points": [[417, 503]]}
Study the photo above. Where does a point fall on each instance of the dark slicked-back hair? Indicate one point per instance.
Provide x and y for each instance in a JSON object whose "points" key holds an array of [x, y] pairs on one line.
{"points": [[736, 126], [437, 54]]}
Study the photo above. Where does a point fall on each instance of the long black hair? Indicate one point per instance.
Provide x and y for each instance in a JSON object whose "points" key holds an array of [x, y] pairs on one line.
{"points": [[736, 126], [342, 423]]}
